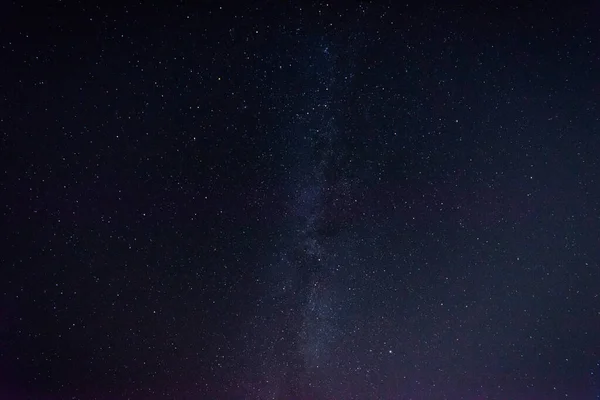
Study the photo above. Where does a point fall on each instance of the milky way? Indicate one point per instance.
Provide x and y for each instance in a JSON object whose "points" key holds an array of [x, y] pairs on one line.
{"points": [[304, 292]]}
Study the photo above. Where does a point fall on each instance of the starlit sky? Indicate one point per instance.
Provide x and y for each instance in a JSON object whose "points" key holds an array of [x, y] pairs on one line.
{"points": [[300, 200]]}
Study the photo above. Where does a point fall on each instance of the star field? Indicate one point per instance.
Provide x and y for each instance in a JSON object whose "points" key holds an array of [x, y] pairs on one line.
{"points": [[300, 201]]}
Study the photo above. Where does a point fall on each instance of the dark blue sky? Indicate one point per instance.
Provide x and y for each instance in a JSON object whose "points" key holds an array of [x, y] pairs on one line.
{"points": [[326, 201]]}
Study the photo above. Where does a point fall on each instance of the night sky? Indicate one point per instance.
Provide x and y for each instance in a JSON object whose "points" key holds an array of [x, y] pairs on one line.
{"points": [[303, 201]]}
